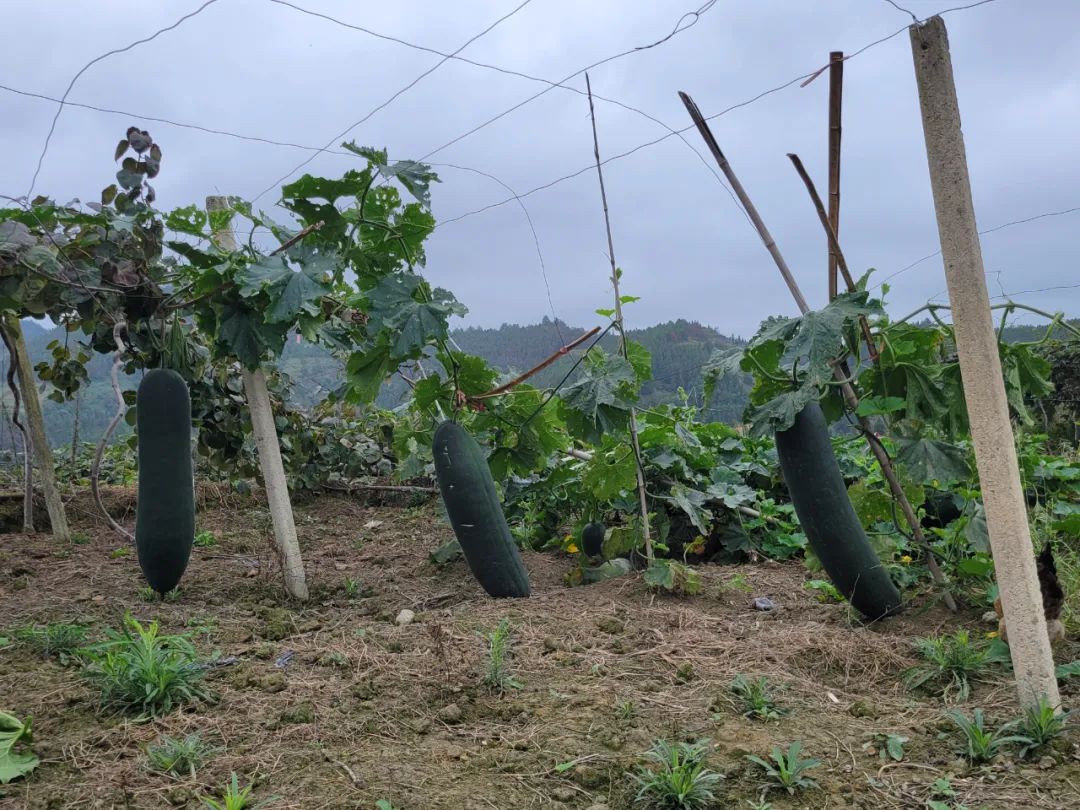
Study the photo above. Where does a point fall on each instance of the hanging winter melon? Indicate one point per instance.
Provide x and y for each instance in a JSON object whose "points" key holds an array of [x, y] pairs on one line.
{"points": [[827, 517], [472, 504], [165, 515]]}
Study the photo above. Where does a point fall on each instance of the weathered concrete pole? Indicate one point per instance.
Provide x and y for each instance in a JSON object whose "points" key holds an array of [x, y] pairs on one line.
{"points": [[980, 367]]}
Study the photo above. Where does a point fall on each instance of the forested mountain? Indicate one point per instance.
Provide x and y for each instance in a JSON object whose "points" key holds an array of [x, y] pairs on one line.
{"points": [[679, 349]]}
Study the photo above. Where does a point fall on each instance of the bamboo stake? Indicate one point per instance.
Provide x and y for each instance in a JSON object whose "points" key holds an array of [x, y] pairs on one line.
{"points": [[835, 252], [836, 92], [980, 368], [850, 397], [634, 443]]}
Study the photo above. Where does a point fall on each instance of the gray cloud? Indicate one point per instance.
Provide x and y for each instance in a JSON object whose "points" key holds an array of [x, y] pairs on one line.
{"points": [[260, 68]]}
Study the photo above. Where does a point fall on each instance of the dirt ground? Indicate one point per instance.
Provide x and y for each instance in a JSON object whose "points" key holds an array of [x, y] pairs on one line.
{"points": [[366, 710]]}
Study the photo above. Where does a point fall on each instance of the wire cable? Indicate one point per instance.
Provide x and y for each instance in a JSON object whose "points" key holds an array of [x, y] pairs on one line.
{"points": [[86, 67], [392, 98]]}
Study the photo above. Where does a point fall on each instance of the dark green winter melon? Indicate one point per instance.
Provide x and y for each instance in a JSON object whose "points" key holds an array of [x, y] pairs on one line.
{"points": [[165, 514], [592, 539], [475, 513], [828, 518]]}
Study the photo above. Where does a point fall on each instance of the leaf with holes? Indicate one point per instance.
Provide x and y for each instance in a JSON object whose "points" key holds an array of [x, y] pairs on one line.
{"points": [[929, 460], [412, 315]]}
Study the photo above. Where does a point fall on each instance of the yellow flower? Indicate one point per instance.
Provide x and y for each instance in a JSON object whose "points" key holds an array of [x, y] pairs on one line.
{"points": [[906, 559], [992, 634], [572, 548]]}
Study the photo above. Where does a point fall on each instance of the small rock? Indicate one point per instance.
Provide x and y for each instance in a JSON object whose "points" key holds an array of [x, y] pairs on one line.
{"points": [[422, 726], [98, 598], [340, 566], [552, 644], [589, 777], [990, 617], [1046, 763], [451, 713], [405, 617], [454, 752], [763, 603], [562, 794], [598, 806]]}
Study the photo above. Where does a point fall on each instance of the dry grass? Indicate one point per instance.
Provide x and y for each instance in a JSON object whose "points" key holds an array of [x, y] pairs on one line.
{"points": [[362, 710]]}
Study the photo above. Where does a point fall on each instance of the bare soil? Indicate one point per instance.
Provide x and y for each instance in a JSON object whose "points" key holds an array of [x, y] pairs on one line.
{"points": [[364, 709]]}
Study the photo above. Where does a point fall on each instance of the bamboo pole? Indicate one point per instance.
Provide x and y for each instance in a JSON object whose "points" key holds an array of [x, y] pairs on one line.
{"points": [[851, 399], [269, 450], [980, 368], [35, 422], [634, 443], [836, 92]]}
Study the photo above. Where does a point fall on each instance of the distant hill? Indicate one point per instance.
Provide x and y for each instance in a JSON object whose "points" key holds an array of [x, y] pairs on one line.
{"points": [[679, 349]]}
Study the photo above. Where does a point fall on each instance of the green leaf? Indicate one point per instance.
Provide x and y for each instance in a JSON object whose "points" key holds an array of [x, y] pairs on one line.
{"points": [[929, 460], [879, 406], [241, 336], [367, 372], [895, 746], [412, 318], [268, 271], [190, 220], [12, 764], [300, 293], [415, 177], [640, 360], [779, 413], [692, 503], [308, 187], [448, 551], [722, 363], [1066, 671], [601, 397], [605, 313], [660, 575], [607, 476]]}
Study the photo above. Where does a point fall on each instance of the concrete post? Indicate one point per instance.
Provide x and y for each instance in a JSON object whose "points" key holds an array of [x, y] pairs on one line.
{"points": [[980, 367], [269, 449]]}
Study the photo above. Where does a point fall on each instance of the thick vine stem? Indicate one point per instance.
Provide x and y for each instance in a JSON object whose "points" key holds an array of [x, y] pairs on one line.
{"points": [[121, 409], [28, 456]]}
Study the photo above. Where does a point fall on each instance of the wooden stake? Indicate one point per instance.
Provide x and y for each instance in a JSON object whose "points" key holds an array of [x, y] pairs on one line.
{"points": [[836, 92], [980, 368], [835, 253], [269, 449], [638, 463], [840, 371], [744, 198], [35, 423]]}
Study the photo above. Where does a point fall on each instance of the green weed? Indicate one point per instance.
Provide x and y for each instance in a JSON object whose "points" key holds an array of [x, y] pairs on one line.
{"points": [[952, 663], [179, 757], [980, 743], [787, 770], [497, 677], [234, 798], [59, 640], [678, 778], [1041, 725], [205, 539], [756, 698], [142, 672]]}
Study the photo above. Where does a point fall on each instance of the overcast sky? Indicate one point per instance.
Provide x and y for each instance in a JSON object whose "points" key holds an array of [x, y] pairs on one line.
{"points": [[259, 68]]}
